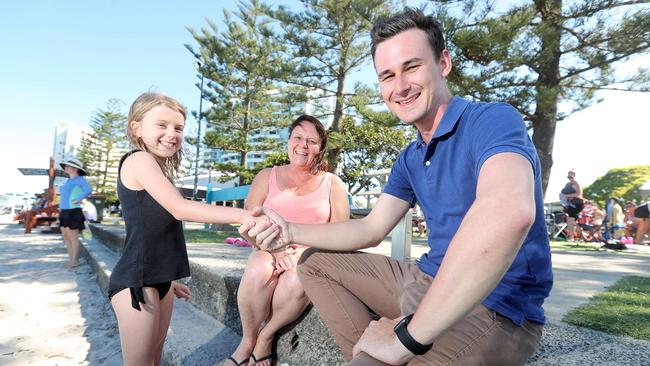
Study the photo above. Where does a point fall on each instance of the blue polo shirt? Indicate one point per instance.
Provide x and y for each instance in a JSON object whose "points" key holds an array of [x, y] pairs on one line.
{"points": [[442, 177]]}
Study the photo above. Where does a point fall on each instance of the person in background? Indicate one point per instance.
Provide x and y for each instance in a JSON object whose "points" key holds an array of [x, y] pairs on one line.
{"points": [[143, 281], [642, 212], [571, 196], [631, 221], [301, 191], [616, 218], [71, 217]]}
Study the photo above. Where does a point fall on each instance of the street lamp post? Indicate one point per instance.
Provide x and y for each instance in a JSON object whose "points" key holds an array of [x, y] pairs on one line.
{"points": [[198, 137]]}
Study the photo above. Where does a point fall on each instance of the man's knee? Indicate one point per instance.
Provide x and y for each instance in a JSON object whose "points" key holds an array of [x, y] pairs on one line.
{"points": [[305, 264]]}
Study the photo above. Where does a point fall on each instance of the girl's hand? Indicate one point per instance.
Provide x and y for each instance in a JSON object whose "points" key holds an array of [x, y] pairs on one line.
{"points": [[181, 291]]}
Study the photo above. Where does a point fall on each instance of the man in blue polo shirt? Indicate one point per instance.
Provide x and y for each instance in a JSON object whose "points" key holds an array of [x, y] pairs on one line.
{"points": [[476, 297]]}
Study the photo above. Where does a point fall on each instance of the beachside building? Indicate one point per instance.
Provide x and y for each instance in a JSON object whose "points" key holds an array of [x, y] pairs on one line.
{"points": [[67, 141]]}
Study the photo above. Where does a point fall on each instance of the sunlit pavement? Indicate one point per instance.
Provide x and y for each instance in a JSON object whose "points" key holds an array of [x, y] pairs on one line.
{"points": [[50, 315]]}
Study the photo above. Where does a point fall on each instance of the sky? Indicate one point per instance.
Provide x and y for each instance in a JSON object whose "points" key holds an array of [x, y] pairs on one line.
{"points": [[62, 60]]}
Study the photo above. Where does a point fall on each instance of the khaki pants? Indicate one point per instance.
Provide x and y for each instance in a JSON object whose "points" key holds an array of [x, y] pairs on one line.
{"points": [[351, 289]]}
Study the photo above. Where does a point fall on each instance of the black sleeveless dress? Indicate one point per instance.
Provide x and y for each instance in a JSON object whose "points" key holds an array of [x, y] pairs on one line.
{"points": [[154, 251]]}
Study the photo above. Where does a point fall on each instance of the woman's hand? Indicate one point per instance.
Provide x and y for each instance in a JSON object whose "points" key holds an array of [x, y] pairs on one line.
{"points": [[283, 261], [181, 291]]}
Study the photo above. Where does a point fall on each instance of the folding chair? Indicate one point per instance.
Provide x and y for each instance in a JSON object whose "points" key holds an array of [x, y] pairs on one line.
{"points": [[557, 225]]}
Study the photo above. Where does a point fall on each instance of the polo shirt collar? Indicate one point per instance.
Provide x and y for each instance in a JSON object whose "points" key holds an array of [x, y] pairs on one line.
{"points": [[449, 120]]}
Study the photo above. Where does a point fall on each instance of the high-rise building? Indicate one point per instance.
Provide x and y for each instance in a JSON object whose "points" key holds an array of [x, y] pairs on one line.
{"points": [[67, 141]]}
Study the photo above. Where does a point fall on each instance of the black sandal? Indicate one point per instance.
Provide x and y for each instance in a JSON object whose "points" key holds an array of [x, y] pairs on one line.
{"points": [[238, 363], [267, 357]]}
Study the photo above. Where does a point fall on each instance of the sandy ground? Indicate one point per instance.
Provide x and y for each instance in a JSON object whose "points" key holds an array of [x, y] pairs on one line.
{"points": [[50, 315], [53, 316]]}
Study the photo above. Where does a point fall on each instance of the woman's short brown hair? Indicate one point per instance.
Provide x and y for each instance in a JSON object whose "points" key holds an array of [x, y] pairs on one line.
{"points": [[319, 163]]}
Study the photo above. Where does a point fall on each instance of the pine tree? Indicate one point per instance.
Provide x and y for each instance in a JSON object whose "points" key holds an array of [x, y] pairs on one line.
{"points": [[328, 41], [241, 66], [102, 148], [539, 54]]}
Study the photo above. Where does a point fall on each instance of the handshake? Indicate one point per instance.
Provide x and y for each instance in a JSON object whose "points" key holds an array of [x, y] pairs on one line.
{"points": [[265, 229]]}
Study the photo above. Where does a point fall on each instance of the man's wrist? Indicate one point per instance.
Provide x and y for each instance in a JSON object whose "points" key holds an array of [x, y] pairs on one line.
{"points": [[291, 233], [405, 337]]}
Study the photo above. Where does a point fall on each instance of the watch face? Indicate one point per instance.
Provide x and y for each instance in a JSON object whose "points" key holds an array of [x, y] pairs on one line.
{"points": [[402, 323]]}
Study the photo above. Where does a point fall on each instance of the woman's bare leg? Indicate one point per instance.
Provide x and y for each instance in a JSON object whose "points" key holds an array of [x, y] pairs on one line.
{"points": [[254, 300], [289, 301], [74, 249]]}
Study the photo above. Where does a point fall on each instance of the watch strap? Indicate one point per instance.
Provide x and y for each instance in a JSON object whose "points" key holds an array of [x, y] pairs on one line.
{"points": [[407, 340]]}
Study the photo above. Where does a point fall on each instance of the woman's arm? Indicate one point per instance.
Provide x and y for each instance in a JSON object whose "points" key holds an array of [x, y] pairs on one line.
{"points": [[141, 171], [86, 190], [259, 189], [339, 204], [578, 190]]}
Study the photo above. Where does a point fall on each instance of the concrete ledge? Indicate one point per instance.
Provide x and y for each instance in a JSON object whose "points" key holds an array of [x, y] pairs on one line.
{"points": [[194, 338], [110, 235], [208, 332], [216, 273]]}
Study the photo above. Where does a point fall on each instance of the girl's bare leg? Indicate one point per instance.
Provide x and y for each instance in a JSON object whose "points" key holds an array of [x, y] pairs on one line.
{"points": [[139, 330]]}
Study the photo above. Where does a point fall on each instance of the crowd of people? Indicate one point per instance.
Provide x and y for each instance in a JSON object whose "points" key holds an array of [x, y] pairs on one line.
{"points": [[617, 223]]}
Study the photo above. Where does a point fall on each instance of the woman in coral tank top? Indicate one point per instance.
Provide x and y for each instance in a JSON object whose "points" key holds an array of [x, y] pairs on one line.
{"points": [[304, 192]]}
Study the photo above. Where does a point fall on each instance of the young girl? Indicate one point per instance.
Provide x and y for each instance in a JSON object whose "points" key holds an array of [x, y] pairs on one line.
{"points": [[142, 282]]}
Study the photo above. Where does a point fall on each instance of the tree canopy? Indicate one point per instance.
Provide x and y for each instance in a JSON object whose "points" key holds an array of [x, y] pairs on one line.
{"points": [[240, 65], [102, 148], [546, 58], [622, 183]]}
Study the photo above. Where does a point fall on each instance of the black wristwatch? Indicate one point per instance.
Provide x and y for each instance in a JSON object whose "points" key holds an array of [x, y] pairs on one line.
{"points": [[405, 337]]}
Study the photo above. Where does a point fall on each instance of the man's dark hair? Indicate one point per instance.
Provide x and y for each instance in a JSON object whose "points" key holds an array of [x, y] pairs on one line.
{"points": [[408, 19]]}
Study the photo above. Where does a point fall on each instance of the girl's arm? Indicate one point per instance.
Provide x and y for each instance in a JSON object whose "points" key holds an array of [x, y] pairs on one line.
{"points": [[141, 171]]}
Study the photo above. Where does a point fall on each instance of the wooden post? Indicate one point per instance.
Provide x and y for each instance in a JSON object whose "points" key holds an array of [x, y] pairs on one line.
{"points": [[401, 238], [50, 187]]}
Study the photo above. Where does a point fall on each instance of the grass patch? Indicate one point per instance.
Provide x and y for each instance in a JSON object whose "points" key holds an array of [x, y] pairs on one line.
{"points": [[208, 236], [623, 309], [575, 246]]}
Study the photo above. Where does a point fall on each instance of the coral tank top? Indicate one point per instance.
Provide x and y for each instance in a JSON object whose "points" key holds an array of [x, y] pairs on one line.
{"points": [[311, 208]]}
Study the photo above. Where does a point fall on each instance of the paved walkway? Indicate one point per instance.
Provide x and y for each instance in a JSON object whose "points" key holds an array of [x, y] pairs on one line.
{"points": [[50, 315], [54, 316]]}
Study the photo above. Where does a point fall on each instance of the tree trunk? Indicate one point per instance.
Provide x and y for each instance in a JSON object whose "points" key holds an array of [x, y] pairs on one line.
{"points": [[334, 154], [243, 156], [547, 86]]}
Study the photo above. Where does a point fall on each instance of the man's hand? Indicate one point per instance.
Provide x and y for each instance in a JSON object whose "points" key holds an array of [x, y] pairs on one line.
{"points": [[269, 234], [181, 291], [380, 342]]}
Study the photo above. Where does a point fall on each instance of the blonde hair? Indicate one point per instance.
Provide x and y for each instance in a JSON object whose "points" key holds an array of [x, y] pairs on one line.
{"points": [[143, 104]]}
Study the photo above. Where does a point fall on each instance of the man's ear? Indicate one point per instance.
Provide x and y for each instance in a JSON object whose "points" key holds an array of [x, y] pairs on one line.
{"points": [[445, 63]]}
